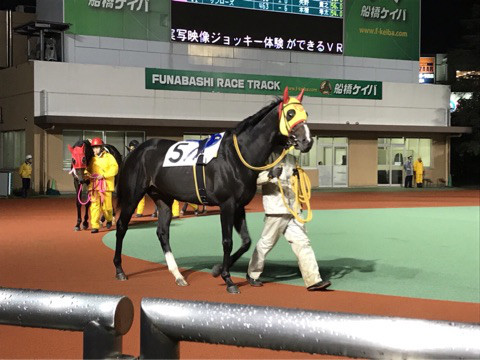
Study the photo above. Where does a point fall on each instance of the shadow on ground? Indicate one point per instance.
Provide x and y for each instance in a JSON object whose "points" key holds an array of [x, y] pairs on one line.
{"points": [[274, 271]]}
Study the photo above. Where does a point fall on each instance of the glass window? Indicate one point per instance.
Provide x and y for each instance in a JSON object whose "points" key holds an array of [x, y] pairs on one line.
{"points": [[117, 139], [340, 156], [12, 149], [325, 140], [340, 140], [135, 135], [420, 148], [383, 155], [424, 151], [90, 134], [398, 141]]}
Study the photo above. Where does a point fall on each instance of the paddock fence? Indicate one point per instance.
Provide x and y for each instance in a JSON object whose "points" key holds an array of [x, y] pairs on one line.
{"points": [[166, 322], [103, 319]]}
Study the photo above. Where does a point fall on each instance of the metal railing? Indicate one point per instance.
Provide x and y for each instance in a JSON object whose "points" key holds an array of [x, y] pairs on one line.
{"points": [[166, 322], [103, 319]]}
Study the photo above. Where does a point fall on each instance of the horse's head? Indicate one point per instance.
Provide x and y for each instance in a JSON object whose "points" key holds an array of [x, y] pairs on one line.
{"points": [[293, 122], [81, 154]]}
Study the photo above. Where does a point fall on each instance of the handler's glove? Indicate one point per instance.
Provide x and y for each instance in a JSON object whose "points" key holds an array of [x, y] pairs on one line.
{"points": [[275, 172], [295, 172]]}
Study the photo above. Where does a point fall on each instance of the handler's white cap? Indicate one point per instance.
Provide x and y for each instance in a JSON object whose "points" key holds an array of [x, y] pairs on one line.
{"points": [[28, 157]]}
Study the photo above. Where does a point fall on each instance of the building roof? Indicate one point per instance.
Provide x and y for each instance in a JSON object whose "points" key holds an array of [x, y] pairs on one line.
{"points": [[49, 120]]}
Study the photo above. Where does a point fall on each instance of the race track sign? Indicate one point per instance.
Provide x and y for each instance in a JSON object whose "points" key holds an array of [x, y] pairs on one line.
{"points": [[184, 80]]}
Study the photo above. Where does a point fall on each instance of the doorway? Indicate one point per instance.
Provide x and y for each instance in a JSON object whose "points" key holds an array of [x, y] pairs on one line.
{"points": [[332, 157], [391, 157]]}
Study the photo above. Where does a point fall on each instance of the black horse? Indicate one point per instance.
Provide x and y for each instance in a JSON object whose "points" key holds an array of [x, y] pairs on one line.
{"points": [[82, 154], [229, 183]]}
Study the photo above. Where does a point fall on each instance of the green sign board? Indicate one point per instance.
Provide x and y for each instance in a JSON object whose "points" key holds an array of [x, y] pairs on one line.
{"points": [[132, 19], [388, 29], [183, 80]]}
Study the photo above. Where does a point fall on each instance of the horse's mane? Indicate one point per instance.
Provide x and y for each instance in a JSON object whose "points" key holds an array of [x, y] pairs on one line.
{"points": [[256, 118]]}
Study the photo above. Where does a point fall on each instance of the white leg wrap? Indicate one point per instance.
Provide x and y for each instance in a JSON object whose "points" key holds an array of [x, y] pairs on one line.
{"points": [[172, 265]]}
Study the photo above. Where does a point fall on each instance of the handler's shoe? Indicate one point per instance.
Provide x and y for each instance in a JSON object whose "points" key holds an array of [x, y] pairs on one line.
{"points": [[322, 285], [253, 282], [109, 225], [155, 214], [94, 231]]}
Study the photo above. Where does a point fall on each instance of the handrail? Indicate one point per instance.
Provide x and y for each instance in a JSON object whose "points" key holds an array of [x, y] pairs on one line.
{"points": [[166, 322], [102, 318]]}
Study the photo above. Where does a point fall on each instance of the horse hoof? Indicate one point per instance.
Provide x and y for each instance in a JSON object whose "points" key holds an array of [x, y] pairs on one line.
{"points": [[76, 228], [233, 289], [217, 270], [85, 227], [181, 282], [121, 277]]}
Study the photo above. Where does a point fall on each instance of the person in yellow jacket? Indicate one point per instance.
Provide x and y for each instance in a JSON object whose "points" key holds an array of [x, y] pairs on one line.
{"points": [[25, 172], [132, 145], [102, 170], [418, 169]]}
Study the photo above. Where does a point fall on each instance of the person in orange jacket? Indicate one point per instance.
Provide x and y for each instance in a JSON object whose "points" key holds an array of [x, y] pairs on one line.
{"points": [[102, 170]]}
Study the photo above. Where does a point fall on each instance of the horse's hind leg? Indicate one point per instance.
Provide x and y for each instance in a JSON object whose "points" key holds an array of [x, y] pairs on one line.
{"points": [[240, 224], [163, 233], [227, 219], [122, 227]]}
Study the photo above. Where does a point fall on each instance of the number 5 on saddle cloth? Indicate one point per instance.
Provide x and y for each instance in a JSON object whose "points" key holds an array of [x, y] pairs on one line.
{"points": [[195, 153]]}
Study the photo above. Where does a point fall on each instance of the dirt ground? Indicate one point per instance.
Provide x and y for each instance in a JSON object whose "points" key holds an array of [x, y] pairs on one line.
{"points": [[40, 250]]}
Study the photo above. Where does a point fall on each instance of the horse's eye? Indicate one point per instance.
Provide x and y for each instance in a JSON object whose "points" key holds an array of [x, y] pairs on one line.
{"points": [[84, 160], [290, 114], [73, 161]]}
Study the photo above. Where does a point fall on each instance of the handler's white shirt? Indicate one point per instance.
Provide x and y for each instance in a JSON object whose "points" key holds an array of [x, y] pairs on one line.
{"points": [[272, 198]]}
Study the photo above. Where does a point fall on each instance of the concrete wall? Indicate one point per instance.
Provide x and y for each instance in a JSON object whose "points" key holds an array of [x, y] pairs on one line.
{"points": [[110, 91], [362, 162], [50, 10], [438, 168], [19, 41], [16, 100], [142, 53]]}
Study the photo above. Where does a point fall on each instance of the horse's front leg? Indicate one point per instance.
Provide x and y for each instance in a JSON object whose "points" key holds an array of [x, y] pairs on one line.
{"points": [[79, 210], [240, 224], [85, 218], [163, 233], [227, 214]]}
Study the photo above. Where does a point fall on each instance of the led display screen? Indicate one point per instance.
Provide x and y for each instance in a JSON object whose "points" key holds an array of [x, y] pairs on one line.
{"points": [[297, 25]]}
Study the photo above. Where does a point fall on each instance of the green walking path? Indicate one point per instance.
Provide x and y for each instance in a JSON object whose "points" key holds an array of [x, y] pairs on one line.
{"points": [[431, 253]]}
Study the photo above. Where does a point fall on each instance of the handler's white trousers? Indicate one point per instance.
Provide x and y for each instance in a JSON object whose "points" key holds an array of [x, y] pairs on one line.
{"points": [[296, 235]]}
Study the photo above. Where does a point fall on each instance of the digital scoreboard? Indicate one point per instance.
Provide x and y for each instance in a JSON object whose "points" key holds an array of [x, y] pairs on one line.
{"points": [[298, 25]]}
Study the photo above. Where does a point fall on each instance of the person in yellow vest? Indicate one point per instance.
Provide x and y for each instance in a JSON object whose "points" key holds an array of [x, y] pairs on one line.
{"points": [[418, 169], [102, 170], [132, 145], [25, 171]]}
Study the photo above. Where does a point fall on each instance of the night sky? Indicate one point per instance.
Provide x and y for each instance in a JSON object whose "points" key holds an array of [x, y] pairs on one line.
{"points": [[440, 24]]}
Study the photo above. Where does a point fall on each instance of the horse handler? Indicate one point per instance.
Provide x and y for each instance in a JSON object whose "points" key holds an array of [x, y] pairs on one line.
{"points": [[102, 169], [278, 221]]}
